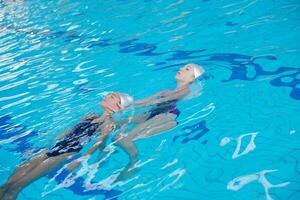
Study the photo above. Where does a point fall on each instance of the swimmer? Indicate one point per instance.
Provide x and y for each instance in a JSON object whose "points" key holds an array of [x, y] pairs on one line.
{"points": [[72, 141], [160, 118]]}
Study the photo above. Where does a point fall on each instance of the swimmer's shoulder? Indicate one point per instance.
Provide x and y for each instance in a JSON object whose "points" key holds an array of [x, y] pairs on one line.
{"points": [[183, 91], [91, 116]]}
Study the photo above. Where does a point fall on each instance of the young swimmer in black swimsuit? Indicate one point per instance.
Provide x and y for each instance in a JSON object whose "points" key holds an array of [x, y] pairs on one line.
{"points": [[160, 118], [72, 142]]}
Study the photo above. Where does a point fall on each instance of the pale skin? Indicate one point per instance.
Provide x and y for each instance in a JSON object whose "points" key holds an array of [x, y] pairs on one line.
{"points": [[41, 165], [157, 124]]}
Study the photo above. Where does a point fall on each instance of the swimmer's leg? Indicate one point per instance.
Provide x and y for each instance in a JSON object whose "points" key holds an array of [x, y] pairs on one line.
{"points": [[26, 167], [45, 167], [21, 171], [127, 145], [153, 126], [101, 153], [133, 120]]}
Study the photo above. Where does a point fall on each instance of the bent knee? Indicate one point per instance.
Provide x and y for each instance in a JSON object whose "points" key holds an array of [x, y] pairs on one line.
{"points": [[116, 138], [119, 139], [165, 117], [172, 124], [171, 116]]}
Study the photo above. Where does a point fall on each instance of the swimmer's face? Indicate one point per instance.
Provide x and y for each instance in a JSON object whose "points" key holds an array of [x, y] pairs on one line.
{"points": [[186, 74], [112, 103]]}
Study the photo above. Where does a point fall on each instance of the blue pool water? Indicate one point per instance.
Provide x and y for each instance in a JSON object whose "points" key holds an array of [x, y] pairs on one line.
{"points": [[238, 140]]}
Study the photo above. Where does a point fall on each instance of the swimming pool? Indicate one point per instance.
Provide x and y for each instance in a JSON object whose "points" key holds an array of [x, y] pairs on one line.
{"points": [[238, 140]]}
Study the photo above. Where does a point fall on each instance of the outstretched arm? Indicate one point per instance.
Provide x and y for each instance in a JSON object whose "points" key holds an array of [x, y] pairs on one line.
{"points": [[153, 97], [132, 119], [143, 103], [108, 127], [168, 96]]}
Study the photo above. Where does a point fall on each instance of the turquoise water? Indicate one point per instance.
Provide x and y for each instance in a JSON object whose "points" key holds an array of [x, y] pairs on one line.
{"points": [[238, 140]]}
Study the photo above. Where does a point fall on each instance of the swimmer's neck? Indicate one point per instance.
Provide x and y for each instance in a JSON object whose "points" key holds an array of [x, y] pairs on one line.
{"points": [[106, 114], [182, 84]]}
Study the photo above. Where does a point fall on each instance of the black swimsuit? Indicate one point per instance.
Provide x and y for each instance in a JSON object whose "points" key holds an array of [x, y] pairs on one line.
{"points": [[74, 141], [166, 107]]}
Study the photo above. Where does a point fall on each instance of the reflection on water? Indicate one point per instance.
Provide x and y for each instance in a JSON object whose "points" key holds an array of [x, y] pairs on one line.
{"points": [[250, 146], [239, 182]]}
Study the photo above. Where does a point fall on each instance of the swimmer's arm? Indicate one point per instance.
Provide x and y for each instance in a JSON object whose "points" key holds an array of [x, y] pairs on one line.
{"points": [[145, 100], [107, 129], [177, 94], [155, 96], [132, 120]]}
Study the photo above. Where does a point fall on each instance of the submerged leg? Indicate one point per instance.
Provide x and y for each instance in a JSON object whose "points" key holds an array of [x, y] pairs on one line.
{"points": [[26, 167], [21, 171], [150, 127], [153, 126], [133, 120], [45, 167], [127, 145]]}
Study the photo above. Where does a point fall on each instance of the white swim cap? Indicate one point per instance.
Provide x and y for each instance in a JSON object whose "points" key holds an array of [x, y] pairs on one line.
{"points": [[126, 100], [198, 70]]}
